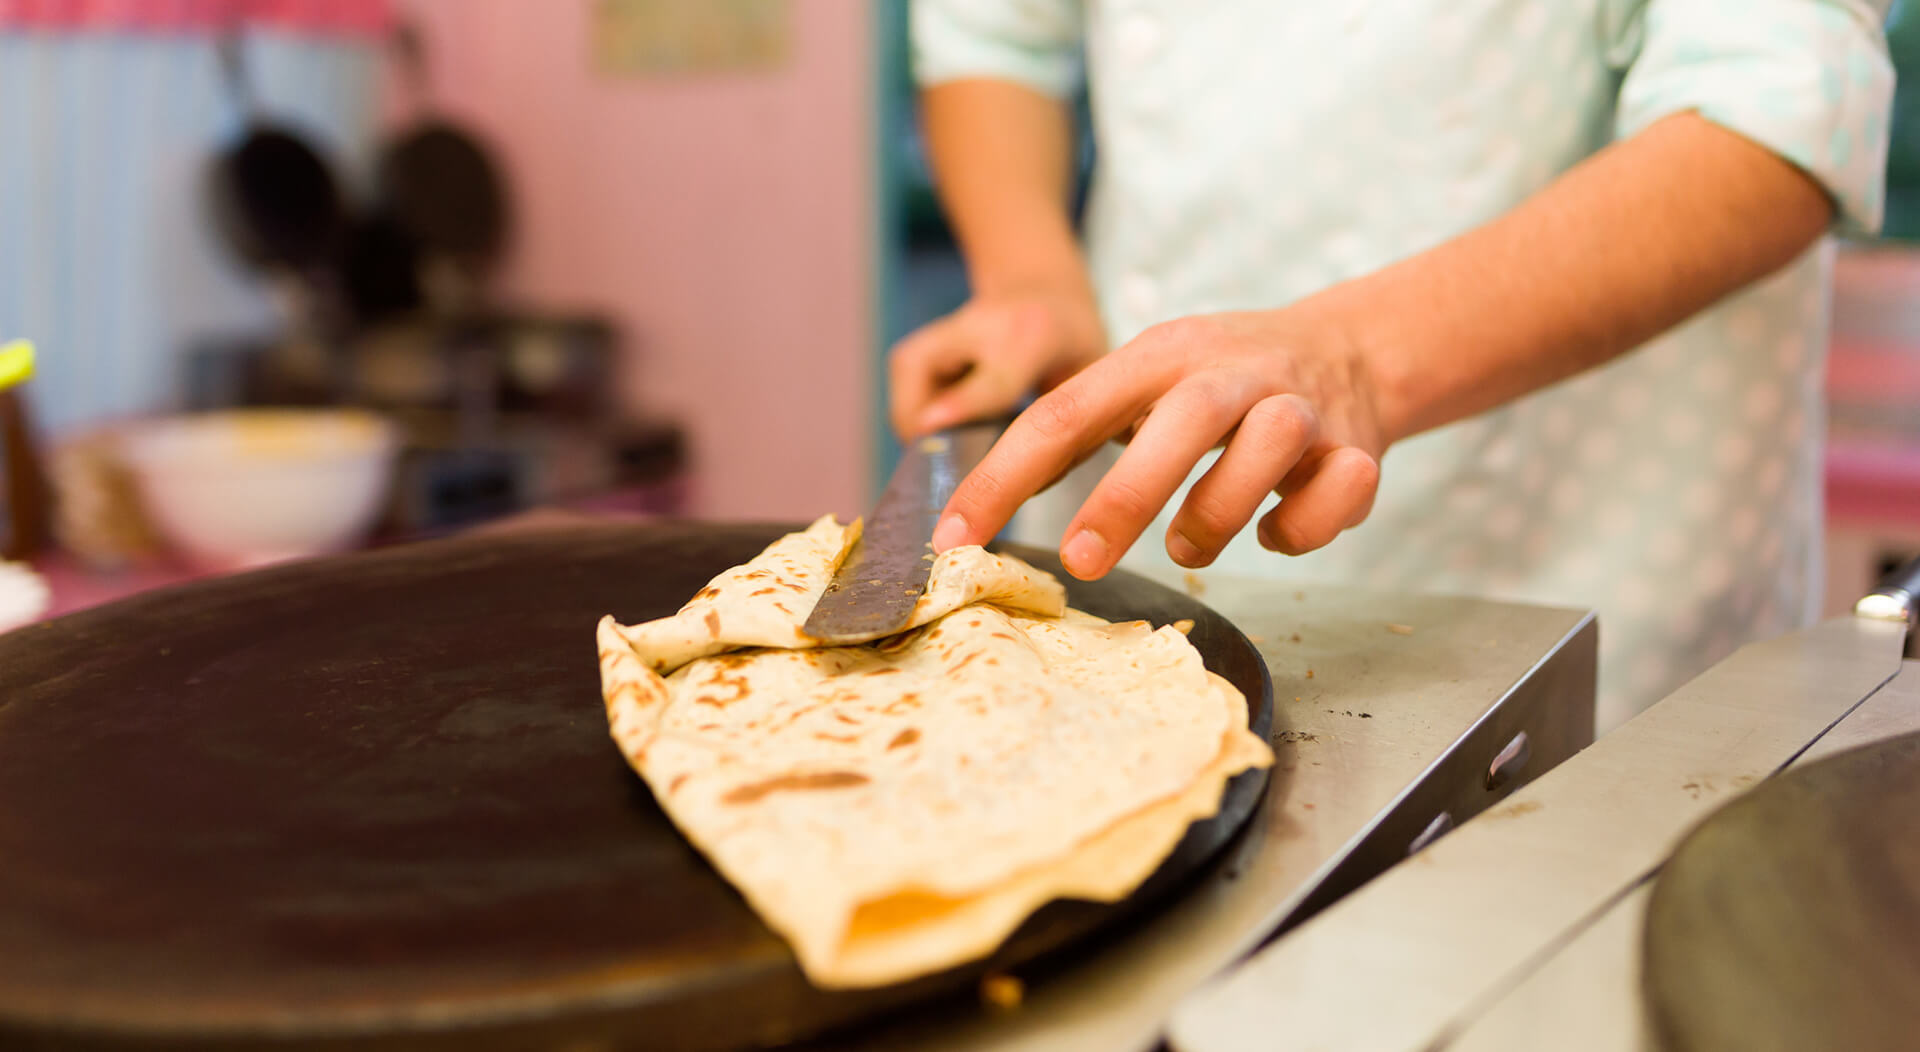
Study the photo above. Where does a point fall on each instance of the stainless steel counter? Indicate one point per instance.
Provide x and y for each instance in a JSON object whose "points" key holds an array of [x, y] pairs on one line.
{"points": [[1433, 951], [1389, 711], [1588, 992]]}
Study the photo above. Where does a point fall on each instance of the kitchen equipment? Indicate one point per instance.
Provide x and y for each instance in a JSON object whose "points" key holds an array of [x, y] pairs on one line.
{"points": [[373, 801], [496, 412], [1390, 711], [273, 197], [438, 187], [1791, 918], [1588, 992], [245, 488], [1416, 959], [23, 487], [877, 585]]}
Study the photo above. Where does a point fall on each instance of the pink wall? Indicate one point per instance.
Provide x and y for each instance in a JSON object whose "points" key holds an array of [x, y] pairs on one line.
{"points": [[722, 219]]}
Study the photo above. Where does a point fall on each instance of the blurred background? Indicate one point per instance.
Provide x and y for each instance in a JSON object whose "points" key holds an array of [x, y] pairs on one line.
{"points": [[429, 263]]}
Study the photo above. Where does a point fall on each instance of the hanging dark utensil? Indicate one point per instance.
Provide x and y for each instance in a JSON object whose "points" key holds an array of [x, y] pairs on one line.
{"points": [[380, 269], [274, 198], [441, 187]]}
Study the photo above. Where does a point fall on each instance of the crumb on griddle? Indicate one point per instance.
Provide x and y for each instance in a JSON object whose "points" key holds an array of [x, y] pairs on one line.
{"points": [[1184, 626], [1400, 630], [1309, 673], [1195, 586], [1002, 993]]}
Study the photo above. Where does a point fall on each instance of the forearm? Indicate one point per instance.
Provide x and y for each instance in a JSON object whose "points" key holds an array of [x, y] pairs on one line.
{"points": [[1625, 246], [1002, 163]]}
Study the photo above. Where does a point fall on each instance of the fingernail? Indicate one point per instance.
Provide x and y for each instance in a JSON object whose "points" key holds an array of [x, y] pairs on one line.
{"points": [[1084, 554], [1183, 551], [951, 533]]}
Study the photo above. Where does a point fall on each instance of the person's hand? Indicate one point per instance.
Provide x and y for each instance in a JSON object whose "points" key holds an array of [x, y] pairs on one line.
{"points": [[983, 358], [1285, 391]]}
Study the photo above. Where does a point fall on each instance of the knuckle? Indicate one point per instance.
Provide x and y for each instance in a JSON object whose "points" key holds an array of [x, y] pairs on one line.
{"points": [[1056, 415], [1127, 500], [908, 357], [1298, 535], [1209, 398], [1288, 538], [1284, 423], [984, 488], [1192, 330], [1209, 517]]}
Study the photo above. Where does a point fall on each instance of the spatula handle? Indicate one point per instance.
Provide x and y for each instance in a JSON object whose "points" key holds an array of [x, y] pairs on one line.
{"points": [[1896, 597]]}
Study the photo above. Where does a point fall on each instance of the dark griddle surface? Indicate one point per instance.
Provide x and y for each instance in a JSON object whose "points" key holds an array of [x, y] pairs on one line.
{"points": [[373, 799]]}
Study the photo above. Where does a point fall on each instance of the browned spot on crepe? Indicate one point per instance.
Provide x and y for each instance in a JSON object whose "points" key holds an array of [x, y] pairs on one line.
{"points": [[753, 791], [739, 684], [675, 785], [904, 738], [761, 591], [713, 624], [841, 738]]}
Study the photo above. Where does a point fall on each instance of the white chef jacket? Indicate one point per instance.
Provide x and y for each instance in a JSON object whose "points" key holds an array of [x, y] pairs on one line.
{"points": [[1251, 152]]}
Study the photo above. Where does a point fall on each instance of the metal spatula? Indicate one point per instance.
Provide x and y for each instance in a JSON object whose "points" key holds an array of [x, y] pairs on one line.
{"points": [[873, 592]]}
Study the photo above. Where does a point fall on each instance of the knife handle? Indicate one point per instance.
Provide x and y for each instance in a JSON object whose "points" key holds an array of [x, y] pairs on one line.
{"points": [[1896, 597]]}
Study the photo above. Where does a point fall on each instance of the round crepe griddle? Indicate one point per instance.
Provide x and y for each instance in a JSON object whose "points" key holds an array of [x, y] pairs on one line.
{"points": [[1790, 919], [372, 800]]}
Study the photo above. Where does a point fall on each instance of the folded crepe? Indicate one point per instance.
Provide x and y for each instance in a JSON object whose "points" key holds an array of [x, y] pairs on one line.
{"points": [[900, 806]]}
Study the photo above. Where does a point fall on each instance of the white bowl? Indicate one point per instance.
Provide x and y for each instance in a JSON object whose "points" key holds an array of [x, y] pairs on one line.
{"points": [[246, 488]]}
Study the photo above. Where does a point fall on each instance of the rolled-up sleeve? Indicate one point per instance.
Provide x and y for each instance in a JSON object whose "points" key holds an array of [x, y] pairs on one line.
{"points": [[1030, 42], [1809, 79]]}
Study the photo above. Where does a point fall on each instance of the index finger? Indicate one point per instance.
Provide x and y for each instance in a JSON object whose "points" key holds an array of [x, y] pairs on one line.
{"points": [[1055, 433]]}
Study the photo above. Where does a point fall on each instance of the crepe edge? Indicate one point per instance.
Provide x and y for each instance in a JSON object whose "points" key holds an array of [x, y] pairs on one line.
{"points": [[1103, 867]]}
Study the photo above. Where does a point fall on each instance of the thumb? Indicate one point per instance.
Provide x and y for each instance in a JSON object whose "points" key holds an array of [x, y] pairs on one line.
{"points": [[916, 367], [987, 390]]}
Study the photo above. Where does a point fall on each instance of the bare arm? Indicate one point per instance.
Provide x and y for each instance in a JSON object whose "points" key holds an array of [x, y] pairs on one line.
{"points": [[1001, 156], [1636, 240], [1307, 397]]}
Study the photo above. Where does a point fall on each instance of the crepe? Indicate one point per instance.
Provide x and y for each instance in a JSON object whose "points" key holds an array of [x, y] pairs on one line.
{"points": [[899, 807], [764, 602]]}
